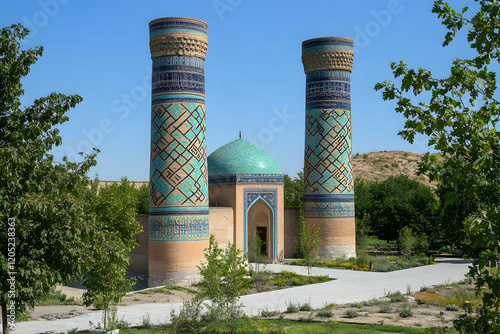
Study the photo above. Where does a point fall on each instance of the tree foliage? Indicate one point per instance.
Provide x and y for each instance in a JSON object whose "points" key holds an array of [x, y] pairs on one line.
{"points": [[113, 210], [460, 118], [293, 190], [395, 203], [223, 281], [307, 243], [49, 232]]}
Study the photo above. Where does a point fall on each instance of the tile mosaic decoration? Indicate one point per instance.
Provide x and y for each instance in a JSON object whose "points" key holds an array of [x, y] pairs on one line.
{"points": [[178, 169], [328, 149]]}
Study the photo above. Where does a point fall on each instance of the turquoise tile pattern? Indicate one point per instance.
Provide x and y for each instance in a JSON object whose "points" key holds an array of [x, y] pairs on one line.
{"points": [[178, 169], [241, 157], [328, 182]]}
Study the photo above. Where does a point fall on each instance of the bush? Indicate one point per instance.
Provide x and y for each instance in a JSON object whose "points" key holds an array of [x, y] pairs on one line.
{"points": [[351, 313], [305, 307], [396, 297], [324, 314], [291, 308], [405, 312], [451, 307]]}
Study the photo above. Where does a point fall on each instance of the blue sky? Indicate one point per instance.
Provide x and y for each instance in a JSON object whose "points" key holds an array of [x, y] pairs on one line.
{"points": [[254, 76]]}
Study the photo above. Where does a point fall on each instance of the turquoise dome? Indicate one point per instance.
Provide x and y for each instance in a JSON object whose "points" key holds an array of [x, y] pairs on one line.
{"points": [[241, 157]]}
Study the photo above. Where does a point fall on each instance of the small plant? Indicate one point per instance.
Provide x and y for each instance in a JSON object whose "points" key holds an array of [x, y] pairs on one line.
{"points": [[405, 312], [291, 308], [325, 314], [328, 306], [365, 156], [451, 307], [305, 307], [396, 297], [385, 308], [146, 321], [419, 300], [268, 313], [351, 313], [433, 303], [395, 164]]}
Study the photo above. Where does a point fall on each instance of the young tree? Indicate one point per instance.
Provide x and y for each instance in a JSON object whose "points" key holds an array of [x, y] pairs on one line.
{"points": [[223, 281], [255, 244], [461, 118], [307, 244], [114, 234]]}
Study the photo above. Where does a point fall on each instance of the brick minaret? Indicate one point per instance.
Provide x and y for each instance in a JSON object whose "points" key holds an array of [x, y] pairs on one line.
{"points": [[178, 201], [328, 182]]}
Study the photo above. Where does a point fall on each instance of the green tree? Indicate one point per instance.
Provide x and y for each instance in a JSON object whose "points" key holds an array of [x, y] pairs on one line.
{"points": [[395, 203], [143, 199], [307, 243], [459, 114], [407, 242], [223, 281], [114, 208], [51, 230], [39, 198], [293, 190], [255, 244]]}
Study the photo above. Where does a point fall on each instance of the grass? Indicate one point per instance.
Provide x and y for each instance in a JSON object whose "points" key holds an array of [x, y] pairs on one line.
{"points": [[455, 294], [166, 290], [57, 298], [249, 325]]}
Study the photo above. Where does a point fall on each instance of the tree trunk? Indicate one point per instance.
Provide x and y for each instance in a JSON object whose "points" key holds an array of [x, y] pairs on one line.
{"points": [[5, 324]]}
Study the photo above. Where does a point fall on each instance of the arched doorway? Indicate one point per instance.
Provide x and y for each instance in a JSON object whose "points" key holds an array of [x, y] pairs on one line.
{"points": [[260, 223]]}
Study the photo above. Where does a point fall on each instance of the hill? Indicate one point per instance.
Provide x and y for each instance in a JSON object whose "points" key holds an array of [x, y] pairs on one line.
{"points": [[378, 166]]}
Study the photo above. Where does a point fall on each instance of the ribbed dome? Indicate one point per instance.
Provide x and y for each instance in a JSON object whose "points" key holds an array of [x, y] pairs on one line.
{"points": [[241, 157]]}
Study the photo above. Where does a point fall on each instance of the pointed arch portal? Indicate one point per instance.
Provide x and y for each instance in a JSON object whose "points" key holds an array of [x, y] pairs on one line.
{"points": [[260, 211]]}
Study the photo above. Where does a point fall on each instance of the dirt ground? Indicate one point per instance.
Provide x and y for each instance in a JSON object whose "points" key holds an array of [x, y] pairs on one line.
{"points": [[368, 312]]}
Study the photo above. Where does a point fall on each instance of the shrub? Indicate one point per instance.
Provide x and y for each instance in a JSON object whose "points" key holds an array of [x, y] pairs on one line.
{"points": [[451, 307], [325, 314], [291, 308], [305, 307], [405, 312], [396, 297], [351, 313], [385, 308]]}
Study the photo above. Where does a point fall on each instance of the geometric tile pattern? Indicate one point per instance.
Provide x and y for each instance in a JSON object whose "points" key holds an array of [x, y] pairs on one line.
{"points": [[178, 155], [328, 152], [270, 197]]}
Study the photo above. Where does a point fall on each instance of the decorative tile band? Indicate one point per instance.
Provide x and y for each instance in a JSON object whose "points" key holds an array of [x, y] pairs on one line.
{"points": [[245, 179], [178, 228], [328, 53], [328, 210], [179, 210], [178, 36]]}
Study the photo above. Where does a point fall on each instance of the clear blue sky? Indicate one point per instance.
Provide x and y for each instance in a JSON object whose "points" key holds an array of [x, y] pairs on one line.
{"points": [[254, 76]]}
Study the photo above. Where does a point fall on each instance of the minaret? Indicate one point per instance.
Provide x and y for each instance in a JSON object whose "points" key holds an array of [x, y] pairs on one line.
{"points": [[178, 200], [328, 182]]}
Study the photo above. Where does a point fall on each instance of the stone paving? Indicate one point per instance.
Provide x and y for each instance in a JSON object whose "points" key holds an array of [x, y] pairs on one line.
{"points": [[348, 286]]}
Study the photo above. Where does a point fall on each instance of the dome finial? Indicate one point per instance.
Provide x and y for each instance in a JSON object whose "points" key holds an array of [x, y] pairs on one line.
{"points": [[240, 134]]}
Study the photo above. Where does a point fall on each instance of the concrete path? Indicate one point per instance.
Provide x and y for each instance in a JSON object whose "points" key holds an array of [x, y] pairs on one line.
{"points": [[348, 286]]}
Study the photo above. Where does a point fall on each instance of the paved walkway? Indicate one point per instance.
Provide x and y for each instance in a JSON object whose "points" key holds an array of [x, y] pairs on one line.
{"points": [[348, 286]]}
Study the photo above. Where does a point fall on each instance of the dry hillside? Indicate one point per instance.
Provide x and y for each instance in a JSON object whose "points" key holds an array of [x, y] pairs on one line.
{"points": [[378, 166]]}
